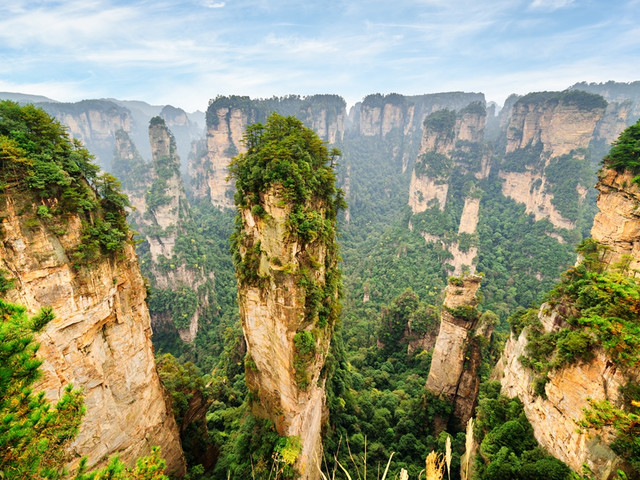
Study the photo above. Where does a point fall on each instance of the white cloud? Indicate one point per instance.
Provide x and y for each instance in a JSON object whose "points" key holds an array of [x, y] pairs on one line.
{"points": [[213, 4], [550, 5]]}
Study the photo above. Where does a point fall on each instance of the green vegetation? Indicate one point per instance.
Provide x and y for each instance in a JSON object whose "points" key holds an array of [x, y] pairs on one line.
{"points": [[304, 350], [378, 100], [290, 159], [598, 307], [442, 122], [405, 319], [522, 159], [566, 174], [582, 100], [508, 449], [626, 425], [625, 152], [38, 158]]}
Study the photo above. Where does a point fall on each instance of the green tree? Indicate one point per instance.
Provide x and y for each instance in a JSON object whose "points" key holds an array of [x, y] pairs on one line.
{"points": [[33, 433]]}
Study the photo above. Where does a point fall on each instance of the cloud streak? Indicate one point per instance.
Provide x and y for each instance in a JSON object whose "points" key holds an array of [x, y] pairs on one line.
{"points": [[187, 52]]}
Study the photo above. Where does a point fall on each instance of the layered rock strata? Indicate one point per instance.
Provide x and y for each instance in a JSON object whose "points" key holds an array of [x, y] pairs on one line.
{"points": [[456, 356], [617, 226], [286, 379], [100, 340], [542, 128], [617, 223], [554, 418]]}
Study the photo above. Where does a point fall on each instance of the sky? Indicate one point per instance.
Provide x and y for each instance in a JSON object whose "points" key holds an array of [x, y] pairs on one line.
{"points": [[184, 53]]}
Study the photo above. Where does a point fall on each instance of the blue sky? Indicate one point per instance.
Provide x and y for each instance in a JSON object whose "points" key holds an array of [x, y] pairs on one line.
{"points": [[186, 52]]}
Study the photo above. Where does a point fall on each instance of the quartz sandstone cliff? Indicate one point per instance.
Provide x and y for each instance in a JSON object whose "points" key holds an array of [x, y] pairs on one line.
{"points": [[226, 123], [548, 128], [617, 225], [272, 314], [100, 340], [157, 193], [456, 356], [461, 148]]}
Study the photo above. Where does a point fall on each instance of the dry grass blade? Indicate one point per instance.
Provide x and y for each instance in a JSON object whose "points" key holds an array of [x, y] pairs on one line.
{"points": [[448, 456], [434, 466], [403, 474], [386, 470], [468, 447], [344, 469], [354, 461]]}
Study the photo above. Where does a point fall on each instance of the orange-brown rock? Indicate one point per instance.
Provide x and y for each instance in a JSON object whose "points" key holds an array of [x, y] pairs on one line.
{"points": [[554, 418], [617, 224], [100, 340], [455, 361], [272, 313]]}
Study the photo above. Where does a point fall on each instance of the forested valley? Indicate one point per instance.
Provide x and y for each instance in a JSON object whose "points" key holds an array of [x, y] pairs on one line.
{"points": [[452, 222]]}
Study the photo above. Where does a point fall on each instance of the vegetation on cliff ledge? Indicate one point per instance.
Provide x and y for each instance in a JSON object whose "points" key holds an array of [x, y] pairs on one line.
{"points": [[285, 156], [38, 158], [625, 152]]}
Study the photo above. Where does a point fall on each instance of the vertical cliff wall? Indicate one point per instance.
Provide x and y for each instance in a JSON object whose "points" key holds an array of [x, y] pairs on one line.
{"points": [[549, 133], [286, 263], [161, 216], [227, 119], [456, 356], [166, 201], [451, 160], [100, 340], [95, 123], [598, 374], [66, 245], [617, 223]]}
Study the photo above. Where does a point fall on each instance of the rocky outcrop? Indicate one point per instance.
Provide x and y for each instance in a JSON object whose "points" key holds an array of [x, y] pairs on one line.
{"points": [[531, 189], [160, 212], [166, 200], [553, 418], [94, 122], [545, 128], [378, 115], [561, 123], [100, 340], [452, 147], [424, 190], [617, 224], [286, 350], [456, 355], [447, 141], [227, 119], [326, 115]]}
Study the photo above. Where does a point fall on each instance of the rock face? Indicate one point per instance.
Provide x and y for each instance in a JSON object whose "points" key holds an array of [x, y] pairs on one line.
{"points": [[450, 376], [291, 393], [451, 149], [166, 202], [100, 340], [227, 119], [617, 223], [225, 128], [545, 129], [94, 122], [567, 391]]}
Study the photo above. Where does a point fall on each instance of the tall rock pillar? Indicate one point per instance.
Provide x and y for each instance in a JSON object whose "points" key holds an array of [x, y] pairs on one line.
{"points": [[286, 265], [456, 357]]}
